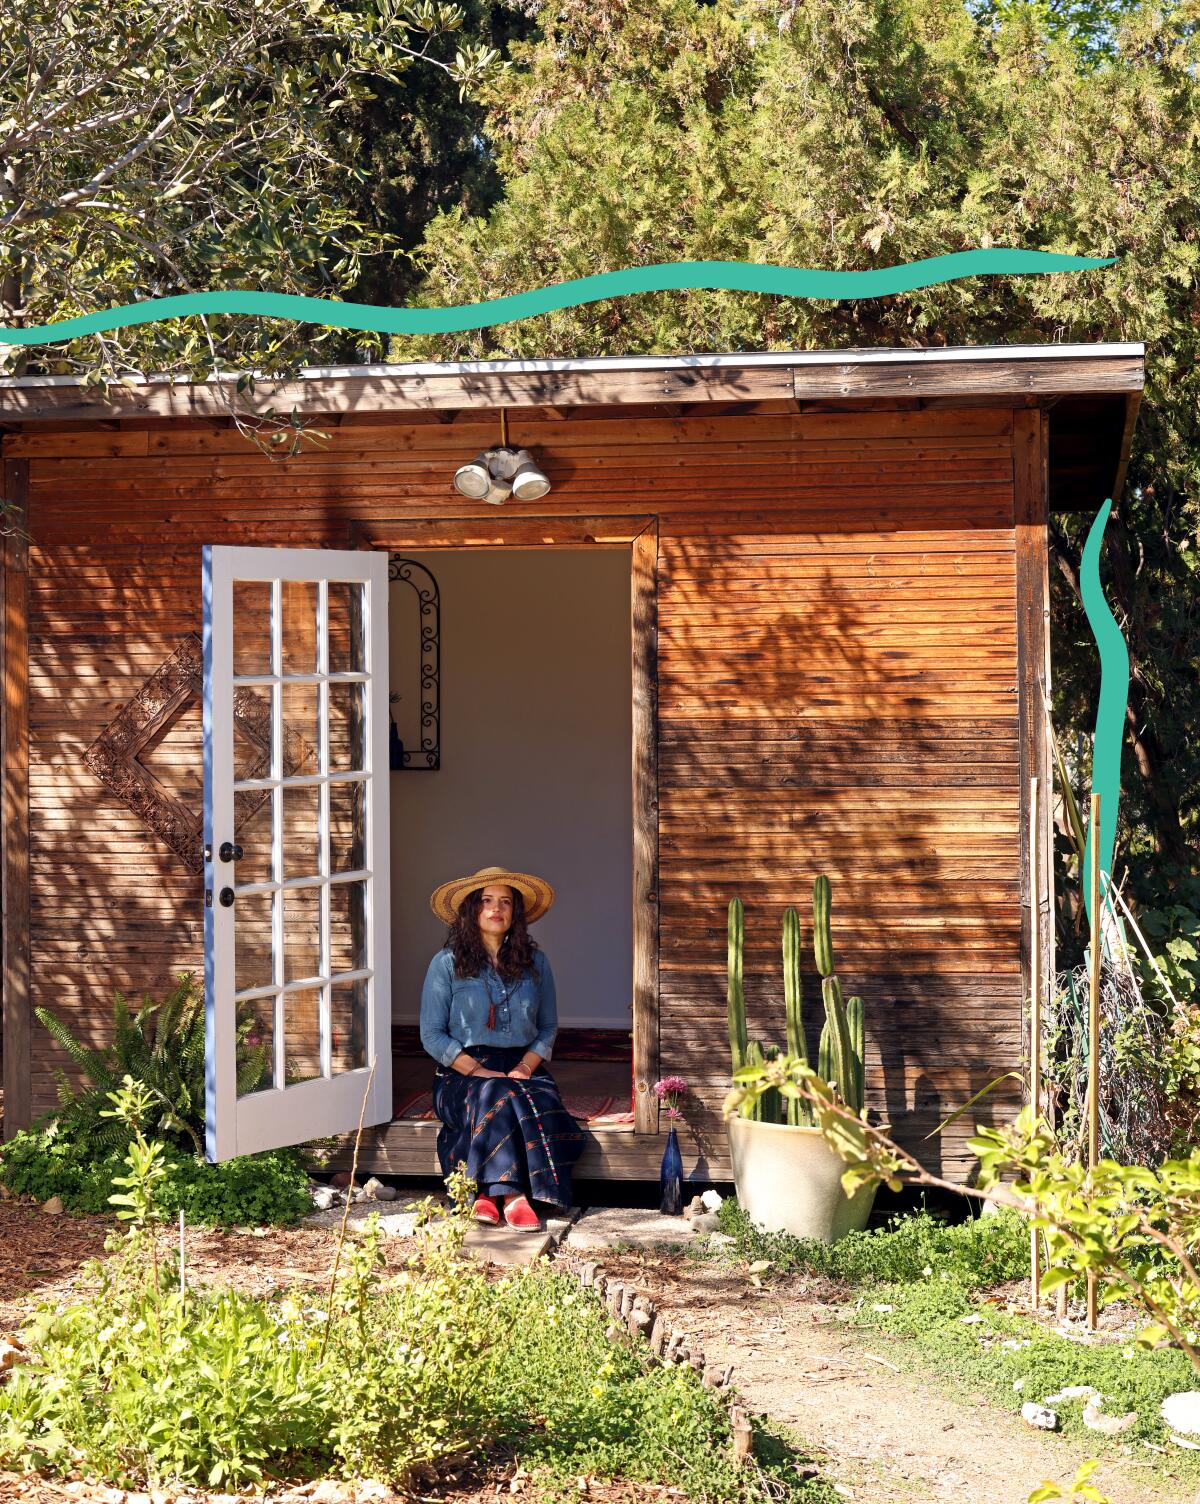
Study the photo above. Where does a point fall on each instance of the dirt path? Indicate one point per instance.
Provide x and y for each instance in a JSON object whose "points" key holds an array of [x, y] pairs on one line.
{"points": [[887, 1436]]}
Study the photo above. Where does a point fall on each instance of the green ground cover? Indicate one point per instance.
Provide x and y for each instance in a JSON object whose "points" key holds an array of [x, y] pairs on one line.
{"points": [[1002, 1349], [977, 1253], [145, 1386]]}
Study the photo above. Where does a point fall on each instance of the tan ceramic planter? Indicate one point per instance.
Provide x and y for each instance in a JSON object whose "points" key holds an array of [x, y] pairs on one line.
{"points": [[790, 1180]]}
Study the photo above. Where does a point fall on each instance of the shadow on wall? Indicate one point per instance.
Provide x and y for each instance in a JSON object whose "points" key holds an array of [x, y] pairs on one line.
{"points": [[855, 719]]}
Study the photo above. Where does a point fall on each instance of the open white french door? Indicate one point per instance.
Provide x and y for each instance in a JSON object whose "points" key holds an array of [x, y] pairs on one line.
{"points": [[296, 832]]}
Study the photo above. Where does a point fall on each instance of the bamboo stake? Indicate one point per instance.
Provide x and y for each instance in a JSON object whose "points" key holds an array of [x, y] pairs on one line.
{"points": [[1035, 1020], [1093, 1091]]}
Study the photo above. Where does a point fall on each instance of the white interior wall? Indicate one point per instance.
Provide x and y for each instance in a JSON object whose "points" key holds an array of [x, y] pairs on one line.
{"points": [[535, 762]]}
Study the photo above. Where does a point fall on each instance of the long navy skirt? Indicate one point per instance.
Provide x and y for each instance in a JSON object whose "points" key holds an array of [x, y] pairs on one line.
{"points": [[512, 1135]]}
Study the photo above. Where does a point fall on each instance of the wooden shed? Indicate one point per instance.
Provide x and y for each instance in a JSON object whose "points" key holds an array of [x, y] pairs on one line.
{"points": [[779, 614]]}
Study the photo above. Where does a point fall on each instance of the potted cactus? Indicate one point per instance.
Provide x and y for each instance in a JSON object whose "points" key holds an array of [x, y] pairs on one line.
{"points": [[788, 1178]]}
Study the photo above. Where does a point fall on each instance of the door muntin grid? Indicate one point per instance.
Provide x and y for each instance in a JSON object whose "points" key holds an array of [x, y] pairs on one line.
{"points": [[296, 917]]}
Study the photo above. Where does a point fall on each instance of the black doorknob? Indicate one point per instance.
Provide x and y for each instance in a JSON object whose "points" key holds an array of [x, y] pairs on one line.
{"points": [[225, 898], [230, 852]]}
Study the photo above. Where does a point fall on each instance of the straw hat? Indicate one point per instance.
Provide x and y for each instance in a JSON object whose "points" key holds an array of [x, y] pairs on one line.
{"points": [[447, 900]]}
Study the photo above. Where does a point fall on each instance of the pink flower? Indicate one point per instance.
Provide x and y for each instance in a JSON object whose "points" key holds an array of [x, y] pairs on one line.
{"points": [[670, 1086], [668, 1091]]}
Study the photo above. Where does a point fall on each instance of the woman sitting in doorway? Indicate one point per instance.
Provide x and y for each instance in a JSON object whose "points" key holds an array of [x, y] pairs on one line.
{"points": [[489, 1017]]}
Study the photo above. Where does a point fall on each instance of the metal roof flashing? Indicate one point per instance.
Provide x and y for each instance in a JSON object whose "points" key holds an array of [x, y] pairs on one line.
{"points": [[714, 361]]}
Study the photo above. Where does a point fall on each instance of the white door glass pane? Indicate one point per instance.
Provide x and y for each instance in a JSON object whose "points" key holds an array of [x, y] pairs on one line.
{"points": [[302, 1032], [347, 830], [301, 728], [251, 627], [257, 1055], [347, 927], [346, 743], [301, 933], [292, 1039], [349, 1025], [298, 638], [347, 646], [253, 732], [254, 945], [255, 835], [301, 831]]}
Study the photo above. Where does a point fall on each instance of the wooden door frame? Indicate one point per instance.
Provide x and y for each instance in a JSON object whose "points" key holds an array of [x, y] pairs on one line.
{"points": [[640, 536]]}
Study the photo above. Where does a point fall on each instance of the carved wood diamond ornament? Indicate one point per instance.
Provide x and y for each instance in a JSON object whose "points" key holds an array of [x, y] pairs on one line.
{"points": [[166, 698]]}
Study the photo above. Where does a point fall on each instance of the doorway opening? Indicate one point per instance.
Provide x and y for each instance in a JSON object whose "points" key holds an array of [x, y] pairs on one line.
{"points": [[535, 697]]}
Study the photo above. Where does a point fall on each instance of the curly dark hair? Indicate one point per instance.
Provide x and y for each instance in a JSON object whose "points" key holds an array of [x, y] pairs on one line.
{"points": [[517, 949]]}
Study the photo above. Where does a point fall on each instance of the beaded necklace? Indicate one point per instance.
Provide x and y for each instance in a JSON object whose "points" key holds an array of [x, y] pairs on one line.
{"points": [[503, 1003]]}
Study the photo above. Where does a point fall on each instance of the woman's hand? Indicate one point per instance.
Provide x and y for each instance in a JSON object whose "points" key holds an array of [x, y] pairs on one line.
{"points": [[520, 1073], [484, 1074]]}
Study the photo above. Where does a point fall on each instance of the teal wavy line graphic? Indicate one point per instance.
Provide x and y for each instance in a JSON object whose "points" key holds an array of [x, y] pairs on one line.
{"points": [[727, 276], [1110, 712]]}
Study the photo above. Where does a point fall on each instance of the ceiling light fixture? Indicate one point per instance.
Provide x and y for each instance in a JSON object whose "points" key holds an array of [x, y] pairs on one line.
{"points": [[497, 474]]}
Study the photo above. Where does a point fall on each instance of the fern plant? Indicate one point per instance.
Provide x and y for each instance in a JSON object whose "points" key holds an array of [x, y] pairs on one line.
{"points": [[161, 1047]]}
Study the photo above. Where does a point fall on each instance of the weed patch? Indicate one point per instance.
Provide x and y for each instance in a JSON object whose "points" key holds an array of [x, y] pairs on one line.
{"points": [[978, 1253]]}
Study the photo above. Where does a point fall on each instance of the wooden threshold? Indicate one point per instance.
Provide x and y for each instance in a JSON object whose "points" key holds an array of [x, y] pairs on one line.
{"points": [[614, 1152]]}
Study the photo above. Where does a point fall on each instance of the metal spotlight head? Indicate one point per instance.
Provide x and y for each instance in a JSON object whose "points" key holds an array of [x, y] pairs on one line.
{"points": [[474, 480], [528, 482]]}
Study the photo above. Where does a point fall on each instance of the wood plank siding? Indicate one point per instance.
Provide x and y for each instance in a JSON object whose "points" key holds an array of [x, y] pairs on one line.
{"points": [[835, 605]]}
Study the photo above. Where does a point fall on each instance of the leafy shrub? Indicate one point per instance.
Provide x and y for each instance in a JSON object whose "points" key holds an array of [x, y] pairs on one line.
{"points": [[62, 1159], [980, 1252], [161, 1046]]}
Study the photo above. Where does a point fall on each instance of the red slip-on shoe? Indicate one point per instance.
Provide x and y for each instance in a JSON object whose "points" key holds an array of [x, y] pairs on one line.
{"points": [[486, 1210], [519, 1214]]}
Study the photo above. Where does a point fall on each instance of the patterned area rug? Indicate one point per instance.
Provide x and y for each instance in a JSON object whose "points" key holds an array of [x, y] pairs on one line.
{"points": [[419, 1107]]}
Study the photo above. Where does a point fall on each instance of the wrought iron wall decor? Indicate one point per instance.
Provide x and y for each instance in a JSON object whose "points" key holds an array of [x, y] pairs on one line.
{"points": [[117, 755], [428, 753]]}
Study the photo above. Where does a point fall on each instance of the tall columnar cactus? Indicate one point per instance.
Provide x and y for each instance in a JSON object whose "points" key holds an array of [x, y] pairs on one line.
{"points": [[822, 935], [840, 1056], [798, 1112], [735, 994], [855, 1018]]}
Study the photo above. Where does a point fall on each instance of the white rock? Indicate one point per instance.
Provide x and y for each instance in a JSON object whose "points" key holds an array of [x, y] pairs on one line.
{"points": [[53, 1207], [1095, 1419], [972, 1319], [324, 1197], [1039, 1416], [882, 1306], [720, 1239], [705, 1222], [1181, 1412], [713, 1200], [372, 1188], [1018, 1385], [1072, 1392]]}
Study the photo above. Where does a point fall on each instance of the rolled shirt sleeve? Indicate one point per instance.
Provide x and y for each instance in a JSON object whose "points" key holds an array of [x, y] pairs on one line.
{"points": [[547, 1017], [435, 1010]]}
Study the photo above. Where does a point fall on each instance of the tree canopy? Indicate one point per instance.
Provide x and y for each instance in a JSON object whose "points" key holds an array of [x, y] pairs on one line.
{"points": [[148, 150]]}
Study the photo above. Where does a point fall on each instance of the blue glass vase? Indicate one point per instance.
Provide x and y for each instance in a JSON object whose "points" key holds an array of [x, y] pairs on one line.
{"points": [[670, 1179]]}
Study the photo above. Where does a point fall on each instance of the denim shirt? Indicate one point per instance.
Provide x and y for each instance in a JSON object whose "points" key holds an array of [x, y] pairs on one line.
{"points": [[454, 1009]]}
